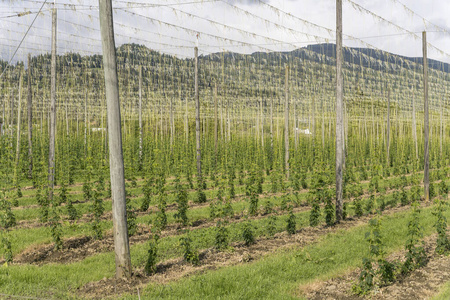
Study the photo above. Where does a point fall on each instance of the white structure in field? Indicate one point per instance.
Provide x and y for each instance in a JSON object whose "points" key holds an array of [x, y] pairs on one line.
{"points": [[304, 131], [98, 129]]}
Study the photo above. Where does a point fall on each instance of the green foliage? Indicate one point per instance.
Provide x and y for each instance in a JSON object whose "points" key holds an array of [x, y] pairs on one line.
{"points": [[442, 242], [314, 216], [221, 237], [253, 208], [291, 223], [415, 254], [152, 254], [71, 211], [55, 226], [271, 226], [370, 204], [247, 233], [404, 198], [182, 202], [268, 207], [443, 188], [200, 196], [432, 191], [358, 207], [131, 218], [7, 217], [147, 189], [43, 202], [366, 278], [344, 211], [97, 210], [329, 209], [161, 217], [189, 254], [370, 276], [6, 248]]}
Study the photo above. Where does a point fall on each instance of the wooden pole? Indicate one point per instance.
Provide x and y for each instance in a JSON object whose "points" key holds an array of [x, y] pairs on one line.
{"points": [[30, 121], [215, 124], [286, 123], [426, 178], [119, 213], [414, 129], [339, 113], [19, 113], [52, 136], [271, 124], [197, 117], [388, 129], [140, 117]]}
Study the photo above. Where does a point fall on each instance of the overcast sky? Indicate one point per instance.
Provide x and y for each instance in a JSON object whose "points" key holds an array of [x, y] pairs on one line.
{"points": [[239, 26]]}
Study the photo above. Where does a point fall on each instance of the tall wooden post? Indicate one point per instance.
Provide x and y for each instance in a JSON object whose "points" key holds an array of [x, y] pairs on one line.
{"points": [[426, 174], [52, 137], [19, 114], [388, 129], [271, 124], [119, 214], [441, 125], [286, 124], [140, 117], [215, 124], [262, 123], [197, 117], [186, 121], [414, 129], [339, 113], [30, 121]]}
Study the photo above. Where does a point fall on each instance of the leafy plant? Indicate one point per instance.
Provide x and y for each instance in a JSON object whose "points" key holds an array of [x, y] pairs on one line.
{"points": [[221, 237], [291, 223], [152, 254], [415, 254], [442, 242], [247, 233], [189, 254]]}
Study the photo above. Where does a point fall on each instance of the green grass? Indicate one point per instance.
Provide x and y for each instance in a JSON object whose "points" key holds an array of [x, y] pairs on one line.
{"points": [[444, 292]]}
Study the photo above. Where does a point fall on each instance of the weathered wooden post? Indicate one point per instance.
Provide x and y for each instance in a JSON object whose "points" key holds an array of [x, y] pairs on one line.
{"points": [[426, 171], [119, 214], [339, 113]]}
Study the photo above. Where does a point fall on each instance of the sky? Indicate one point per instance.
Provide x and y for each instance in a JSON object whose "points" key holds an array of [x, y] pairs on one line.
{"points": [[176, 26]]}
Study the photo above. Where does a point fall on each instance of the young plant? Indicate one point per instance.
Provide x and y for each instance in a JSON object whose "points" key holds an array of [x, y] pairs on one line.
{"points": [[291, 223], [131, 218], [329, 208], [247, 233], [221, 237], [182, 202], [442, 242], [415, 253], [189, 254], [152, 254], [147, 189]]}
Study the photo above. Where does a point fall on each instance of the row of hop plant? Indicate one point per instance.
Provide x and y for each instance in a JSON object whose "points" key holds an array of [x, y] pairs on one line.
{"points": [[377, 271]]}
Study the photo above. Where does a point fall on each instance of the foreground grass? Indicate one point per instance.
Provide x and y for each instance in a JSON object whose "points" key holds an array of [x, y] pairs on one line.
{"points": [[276, 276], [444, 292]]}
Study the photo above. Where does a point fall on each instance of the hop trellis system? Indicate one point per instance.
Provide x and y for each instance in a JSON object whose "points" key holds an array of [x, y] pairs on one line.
{"points": [[244, 143]]}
